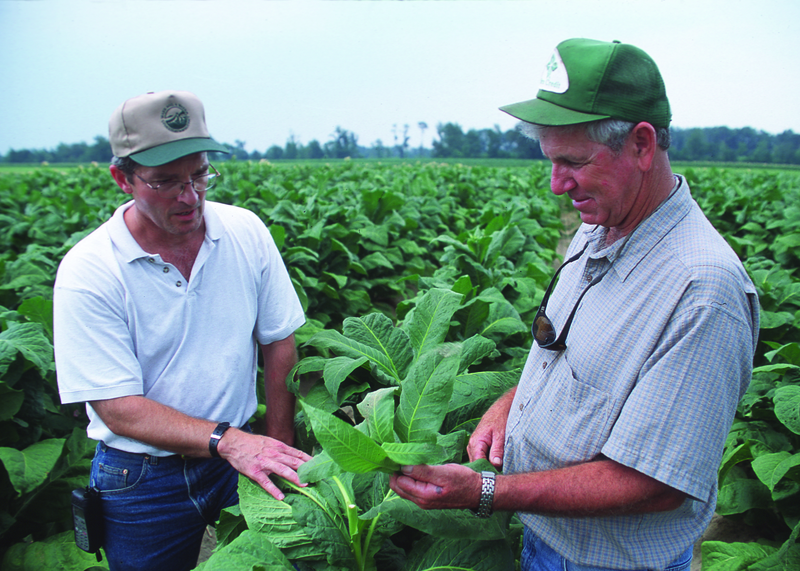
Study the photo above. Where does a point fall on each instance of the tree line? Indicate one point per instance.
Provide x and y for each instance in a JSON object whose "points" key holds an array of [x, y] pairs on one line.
{"points": [[720, 144]]}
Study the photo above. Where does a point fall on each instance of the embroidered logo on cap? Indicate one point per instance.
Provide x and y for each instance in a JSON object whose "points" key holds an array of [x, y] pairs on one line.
{"points": [[175, 117], [555, 76]]}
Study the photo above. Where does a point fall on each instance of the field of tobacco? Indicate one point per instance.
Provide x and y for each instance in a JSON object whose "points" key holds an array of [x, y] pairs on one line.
{"points": [[406, 272]]}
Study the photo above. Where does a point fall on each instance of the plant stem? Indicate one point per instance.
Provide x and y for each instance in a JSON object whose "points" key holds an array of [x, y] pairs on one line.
{"points": [[354, 524]]}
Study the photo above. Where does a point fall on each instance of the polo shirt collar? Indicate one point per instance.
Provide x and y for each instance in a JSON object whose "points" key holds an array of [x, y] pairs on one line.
{"points": [[130, 249]]}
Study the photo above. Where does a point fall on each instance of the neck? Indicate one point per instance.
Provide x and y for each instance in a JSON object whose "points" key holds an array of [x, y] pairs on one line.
{"points": [[656, 186]]}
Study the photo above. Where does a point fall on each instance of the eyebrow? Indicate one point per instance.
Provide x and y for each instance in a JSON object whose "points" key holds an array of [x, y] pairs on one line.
{"points": [[568, 158]]}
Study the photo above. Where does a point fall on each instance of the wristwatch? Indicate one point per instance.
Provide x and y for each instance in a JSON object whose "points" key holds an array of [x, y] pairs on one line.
{"points": [[215, 438], [487, 494]]}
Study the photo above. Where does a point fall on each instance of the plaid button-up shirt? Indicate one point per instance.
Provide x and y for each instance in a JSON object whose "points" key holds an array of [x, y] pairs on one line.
{"points": [[658, 356]]}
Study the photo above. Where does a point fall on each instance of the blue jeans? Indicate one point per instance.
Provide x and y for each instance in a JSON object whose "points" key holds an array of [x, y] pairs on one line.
{"points": [[538, 556], [156, 509]]}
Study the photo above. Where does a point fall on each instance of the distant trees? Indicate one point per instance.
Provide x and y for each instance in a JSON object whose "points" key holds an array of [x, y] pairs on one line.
{"points": [[718, 144], [99, 151], [735, 145], [344, 144], [484, 143]]}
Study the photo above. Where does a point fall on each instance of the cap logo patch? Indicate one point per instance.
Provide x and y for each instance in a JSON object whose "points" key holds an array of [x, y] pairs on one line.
{"points": [[555, 76], [175, 117]]}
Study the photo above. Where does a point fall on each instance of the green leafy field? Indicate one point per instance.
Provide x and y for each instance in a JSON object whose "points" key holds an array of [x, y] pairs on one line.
{"points": [[419, 282]]}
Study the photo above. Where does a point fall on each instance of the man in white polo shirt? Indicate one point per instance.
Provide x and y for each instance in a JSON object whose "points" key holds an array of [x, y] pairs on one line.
{"points": [[159, 318]]}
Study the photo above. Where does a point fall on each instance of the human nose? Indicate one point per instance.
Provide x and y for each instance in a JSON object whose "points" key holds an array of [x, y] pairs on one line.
{"points": [[561, 180], [188, 193]]}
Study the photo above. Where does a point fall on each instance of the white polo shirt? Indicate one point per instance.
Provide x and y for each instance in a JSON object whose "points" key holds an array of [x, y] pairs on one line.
{"points": [[128, 323]]}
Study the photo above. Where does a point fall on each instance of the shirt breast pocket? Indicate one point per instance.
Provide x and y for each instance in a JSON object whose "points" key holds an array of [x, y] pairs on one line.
{"points": [[567, 423]]}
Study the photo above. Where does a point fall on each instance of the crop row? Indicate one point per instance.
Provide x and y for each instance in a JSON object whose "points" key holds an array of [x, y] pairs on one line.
{"points": [[379, 252]]}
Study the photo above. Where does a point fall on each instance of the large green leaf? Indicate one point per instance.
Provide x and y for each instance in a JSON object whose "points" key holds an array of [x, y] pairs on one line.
{"points": [[738, 496], [374, 337], [462, 554], [765, 467], [473, 350], [336, 372], [29, 468], [251, 551], [413, 453], [10, 401], [352, 450], [425, 394], [454, 444], [231, 524], [787, 407], [56, 553], [506, 242], [270, 517], [303, 367], [786, 558], [503, 321], [445, 523], [428, 323], [39, 310], [376, 260], [474, 393], [320, 467], [377, 408], [28, 339], [50, 501], [324, 522]]}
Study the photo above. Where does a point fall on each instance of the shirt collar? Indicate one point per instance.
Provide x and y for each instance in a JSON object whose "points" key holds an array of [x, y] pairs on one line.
{"points": [[625, 254], [131, 250]]}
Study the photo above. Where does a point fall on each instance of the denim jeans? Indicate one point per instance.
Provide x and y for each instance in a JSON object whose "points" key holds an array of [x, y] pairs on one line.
{"points": [[156, 509], [538, 556]]}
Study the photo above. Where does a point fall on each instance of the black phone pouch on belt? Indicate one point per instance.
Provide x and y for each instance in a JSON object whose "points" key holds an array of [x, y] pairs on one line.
{"points": [[88, 518]]}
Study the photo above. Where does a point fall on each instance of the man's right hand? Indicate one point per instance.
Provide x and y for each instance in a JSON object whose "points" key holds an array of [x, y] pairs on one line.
{"points": [[258, 456], [488, 439]]}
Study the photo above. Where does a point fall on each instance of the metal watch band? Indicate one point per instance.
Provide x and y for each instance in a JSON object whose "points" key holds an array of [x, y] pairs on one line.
{"points": [[215, 438], [487, 494]]}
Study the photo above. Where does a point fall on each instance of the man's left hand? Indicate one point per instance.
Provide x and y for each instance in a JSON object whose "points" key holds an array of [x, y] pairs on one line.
{"points": [[450, 486]]}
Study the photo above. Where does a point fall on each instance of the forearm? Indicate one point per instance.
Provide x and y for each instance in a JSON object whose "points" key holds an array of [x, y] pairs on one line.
{"points": [[156, 424], [279, 358], [599, 488], [163, 427]]}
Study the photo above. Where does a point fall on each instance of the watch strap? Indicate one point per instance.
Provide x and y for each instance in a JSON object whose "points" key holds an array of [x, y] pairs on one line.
{"points": [[487, 494], [215, 438]]}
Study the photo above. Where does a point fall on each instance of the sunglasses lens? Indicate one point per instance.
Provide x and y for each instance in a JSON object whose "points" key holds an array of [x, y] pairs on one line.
{"points": [[543, 330]]}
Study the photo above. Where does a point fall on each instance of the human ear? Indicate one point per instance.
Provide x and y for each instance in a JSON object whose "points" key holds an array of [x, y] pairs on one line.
{"points": [[644, 141], [121, 179]]}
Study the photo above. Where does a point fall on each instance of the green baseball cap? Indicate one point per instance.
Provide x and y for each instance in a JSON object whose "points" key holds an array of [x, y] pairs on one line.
{"points": [[589, 80], [157, 128]]}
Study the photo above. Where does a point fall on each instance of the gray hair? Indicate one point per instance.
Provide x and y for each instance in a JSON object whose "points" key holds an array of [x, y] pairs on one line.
{"points": [[609, 132]]}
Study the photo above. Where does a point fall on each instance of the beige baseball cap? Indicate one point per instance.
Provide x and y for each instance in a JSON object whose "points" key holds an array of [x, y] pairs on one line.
{"points": [[157, 128]]}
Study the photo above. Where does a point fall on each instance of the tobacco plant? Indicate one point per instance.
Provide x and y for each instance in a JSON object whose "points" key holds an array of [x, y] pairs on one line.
{"points": [[410, 395]]}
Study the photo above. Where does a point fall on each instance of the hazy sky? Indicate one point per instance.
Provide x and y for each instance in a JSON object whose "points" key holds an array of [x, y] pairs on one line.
{"points": [[267, 70]]}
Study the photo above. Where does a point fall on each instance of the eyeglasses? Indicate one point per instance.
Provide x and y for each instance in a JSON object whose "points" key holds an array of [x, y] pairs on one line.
{"points": [[173, 189], [542, 329]]}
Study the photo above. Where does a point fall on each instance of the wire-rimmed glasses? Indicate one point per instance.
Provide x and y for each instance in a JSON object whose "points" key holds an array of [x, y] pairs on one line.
{"points": [[173, 189]]}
